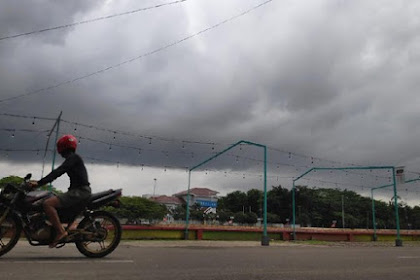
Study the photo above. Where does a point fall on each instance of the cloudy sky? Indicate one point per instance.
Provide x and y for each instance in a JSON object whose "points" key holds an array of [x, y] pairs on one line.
{"points": [[157, 89]]}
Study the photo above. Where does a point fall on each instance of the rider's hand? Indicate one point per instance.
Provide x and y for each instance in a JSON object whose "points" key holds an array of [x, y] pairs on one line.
{"points": [[33, 184]]}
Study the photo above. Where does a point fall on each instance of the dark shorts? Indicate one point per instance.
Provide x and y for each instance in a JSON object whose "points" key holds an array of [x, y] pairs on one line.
{"points": [[74, 196]]}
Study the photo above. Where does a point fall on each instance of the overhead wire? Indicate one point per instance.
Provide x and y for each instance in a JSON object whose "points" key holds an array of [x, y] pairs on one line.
{"points": [[183, 141], [100, 71], [88, 21]]}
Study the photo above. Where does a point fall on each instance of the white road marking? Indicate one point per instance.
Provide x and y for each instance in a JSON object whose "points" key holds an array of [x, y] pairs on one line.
{"points": [[68, 261]]}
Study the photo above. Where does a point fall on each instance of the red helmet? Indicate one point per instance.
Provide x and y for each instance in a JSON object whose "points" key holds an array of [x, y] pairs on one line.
{"points": [[66, 142]]}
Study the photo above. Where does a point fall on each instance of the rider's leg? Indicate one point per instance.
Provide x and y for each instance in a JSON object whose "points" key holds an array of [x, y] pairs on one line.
{"points": [[50, 207]]}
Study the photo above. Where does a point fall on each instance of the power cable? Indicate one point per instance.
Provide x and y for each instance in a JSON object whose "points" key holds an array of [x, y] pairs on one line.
{"points": [[171, 140], [42, 90], [88, 21]]}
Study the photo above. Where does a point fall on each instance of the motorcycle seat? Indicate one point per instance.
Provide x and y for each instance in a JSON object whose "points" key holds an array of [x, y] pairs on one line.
{"points": [[97, 195]]}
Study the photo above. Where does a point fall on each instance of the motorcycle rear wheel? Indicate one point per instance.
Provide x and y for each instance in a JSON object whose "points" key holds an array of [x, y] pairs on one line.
{"points": [[103, 237], [10, 231]]}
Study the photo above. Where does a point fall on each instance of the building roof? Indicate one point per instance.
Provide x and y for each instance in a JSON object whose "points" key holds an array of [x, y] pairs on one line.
{"points": [[164, 199], [198, 192]]}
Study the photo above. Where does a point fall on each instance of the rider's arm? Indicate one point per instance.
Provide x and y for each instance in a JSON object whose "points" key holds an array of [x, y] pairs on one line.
{"points": [[67, 164]]}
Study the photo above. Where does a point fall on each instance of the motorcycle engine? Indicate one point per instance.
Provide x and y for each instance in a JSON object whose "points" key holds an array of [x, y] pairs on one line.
{"points": [[42, 233], [40, 230]]}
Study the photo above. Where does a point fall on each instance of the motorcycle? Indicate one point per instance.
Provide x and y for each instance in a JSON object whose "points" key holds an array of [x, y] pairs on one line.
{"points": [[97, 234]]}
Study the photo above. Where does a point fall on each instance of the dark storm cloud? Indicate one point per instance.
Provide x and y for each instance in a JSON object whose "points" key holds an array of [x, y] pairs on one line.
{"points": [[25, 16], [318, 78]]}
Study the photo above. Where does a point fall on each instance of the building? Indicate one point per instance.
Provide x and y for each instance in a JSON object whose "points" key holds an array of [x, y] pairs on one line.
{"points": [[171, 202], [206, 198]]}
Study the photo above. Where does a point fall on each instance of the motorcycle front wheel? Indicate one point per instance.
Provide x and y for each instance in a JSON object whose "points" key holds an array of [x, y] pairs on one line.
{"points": [[10, 231], [101, 233]]}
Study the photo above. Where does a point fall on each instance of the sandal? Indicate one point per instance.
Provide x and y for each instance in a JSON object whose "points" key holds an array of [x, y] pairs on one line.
{"points": [[58, 239]]}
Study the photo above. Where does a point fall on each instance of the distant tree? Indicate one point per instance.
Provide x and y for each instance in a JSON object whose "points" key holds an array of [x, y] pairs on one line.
{"points": [[179, 212], [196, 212], [234, 202], [224, 216], [273, 218], [239, 218], [134, 208], [254, 201], [16, 180], [279, 202]]}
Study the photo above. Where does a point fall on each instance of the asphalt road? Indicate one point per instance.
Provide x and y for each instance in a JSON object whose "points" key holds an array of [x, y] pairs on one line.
{"points": [[214, 260]]}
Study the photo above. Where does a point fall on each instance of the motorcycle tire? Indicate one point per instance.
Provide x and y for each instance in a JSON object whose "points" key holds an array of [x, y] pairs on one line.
{"points": [[10, 231], [102, 234]]}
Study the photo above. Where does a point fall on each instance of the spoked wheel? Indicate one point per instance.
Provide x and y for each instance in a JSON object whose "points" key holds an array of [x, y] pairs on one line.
{"points": [[10, 231], [101, 233]]}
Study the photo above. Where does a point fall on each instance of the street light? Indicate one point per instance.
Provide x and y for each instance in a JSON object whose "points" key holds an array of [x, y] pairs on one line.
{"points": [[154, 187]]}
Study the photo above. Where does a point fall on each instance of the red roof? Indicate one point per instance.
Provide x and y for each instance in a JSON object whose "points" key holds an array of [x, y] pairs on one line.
{"points": [[167, 199], [198, 192]]}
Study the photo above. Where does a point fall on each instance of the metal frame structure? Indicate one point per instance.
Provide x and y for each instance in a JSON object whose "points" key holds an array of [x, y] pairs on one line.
{"points": [[398, 241], [375, 238], [265, 240]]}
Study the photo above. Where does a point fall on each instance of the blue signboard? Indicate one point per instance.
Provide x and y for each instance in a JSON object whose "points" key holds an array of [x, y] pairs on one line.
{"points": [[206, 203]]}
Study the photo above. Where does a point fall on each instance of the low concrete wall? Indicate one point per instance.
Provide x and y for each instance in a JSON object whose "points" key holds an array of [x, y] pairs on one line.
{"points": [[203, 232]]}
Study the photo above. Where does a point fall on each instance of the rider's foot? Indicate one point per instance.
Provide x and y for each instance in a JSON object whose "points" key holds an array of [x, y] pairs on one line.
{"points": [[72, 227], [58, 238]]}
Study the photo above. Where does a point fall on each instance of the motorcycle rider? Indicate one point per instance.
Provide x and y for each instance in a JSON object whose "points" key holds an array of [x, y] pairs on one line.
{"points": [[78, 192]]}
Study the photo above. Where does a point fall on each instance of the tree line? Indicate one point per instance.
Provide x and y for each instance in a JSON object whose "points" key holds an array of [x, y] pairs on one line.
{"points": [[316, 207], [319, 207]]}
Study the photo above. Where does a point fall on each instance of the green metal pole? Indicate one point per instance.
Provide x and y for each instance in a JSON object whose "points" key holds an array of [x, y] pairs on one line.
{"points": [[265, 240], [398, 242], [375, 238], [55, 146], [220, 153], [187, 218], [294, 210]]}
